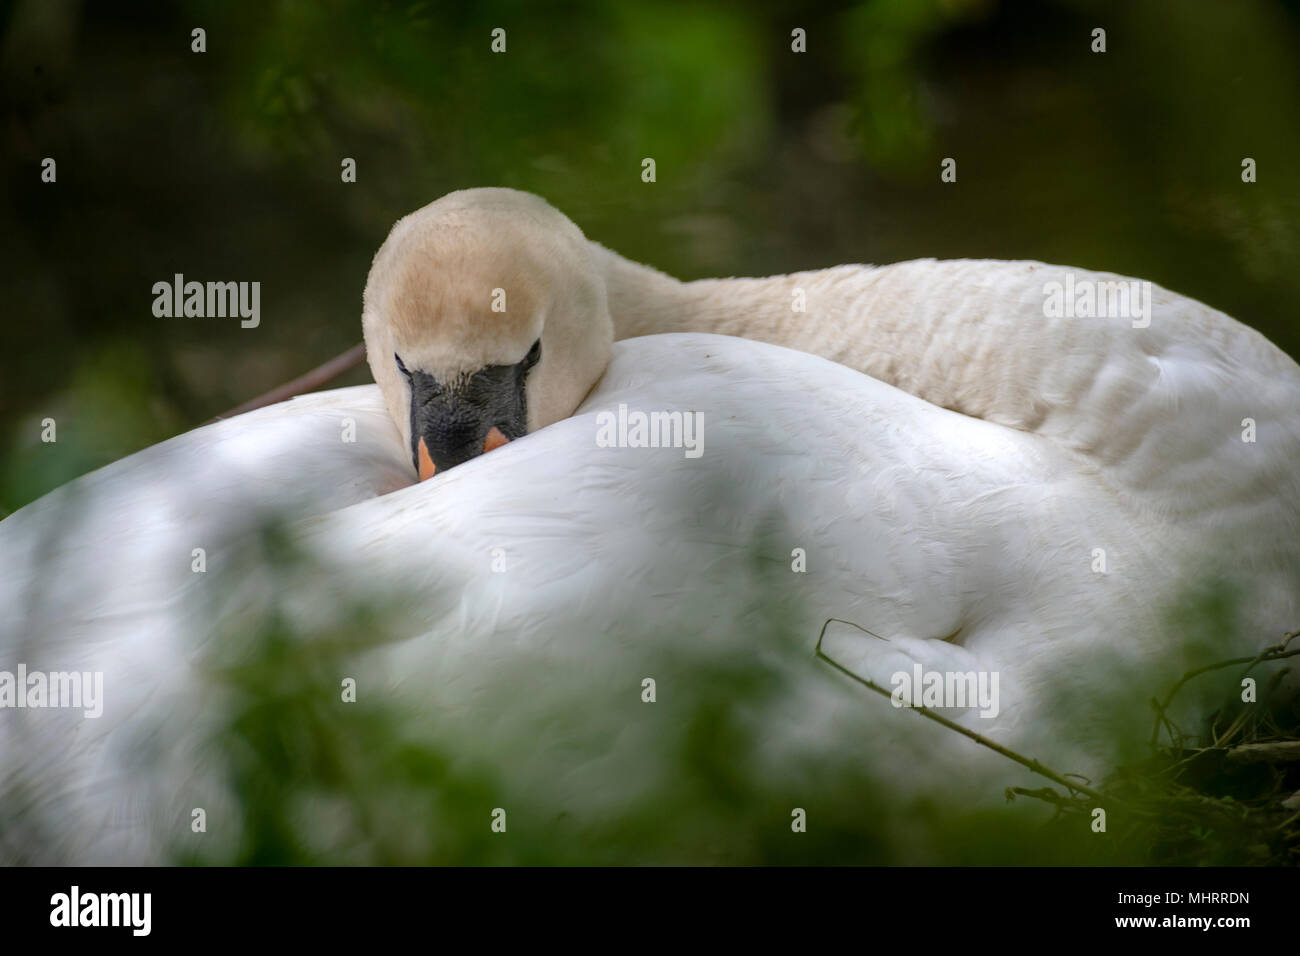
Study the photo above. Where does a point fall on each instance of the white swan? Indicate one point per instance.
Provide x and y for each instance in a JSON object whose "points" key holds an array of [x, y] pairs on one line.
{"points": [[618, 564], [970, 545], [1186, 416]]}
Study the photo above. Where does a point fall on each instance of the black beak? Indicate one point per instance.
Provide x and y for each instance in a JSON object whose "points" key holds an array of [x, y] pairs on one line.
{"points": [[459, 421]]}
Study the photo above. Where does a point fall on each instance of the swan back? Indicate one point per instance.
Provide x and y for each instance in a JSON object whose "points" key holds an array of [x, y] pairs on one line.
{"points": [[962, 544]]}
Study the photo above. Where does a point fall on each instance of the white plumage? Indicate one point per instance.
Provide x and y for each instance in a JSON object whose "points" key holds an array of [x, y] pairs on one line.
{"points": [[968, 539]]}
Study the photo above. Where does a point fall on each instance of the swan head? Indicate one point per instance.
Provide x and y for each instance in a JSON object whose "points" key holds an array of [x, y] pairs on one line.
{"points": [[485, 317]]}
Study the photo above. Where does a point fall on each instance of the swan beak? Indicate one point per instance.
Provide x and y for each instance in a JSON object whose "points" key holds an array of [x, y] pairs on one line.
{"points": [[428, 469], [447, 421]]}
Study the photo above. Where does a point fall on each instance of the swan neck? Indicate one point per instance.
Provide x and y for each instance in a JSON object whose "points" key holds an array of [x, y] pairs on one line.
{"points": [[645, 301]]}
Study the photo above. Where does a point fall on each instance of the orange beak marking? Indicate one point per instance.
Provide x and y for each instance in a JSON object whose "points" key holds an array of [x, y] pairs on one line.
{"points": [[427, 467]]}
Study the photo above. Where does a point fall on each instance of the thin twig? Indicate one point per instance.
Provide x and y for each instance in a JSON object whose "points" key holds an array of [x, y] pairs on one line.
{"points": [[320, 375], [980, 739]]}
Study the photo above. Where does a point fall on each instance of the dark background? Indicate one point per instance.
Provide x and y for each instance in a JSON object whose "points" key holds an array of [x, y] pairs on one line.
{"points": [[225, 165]]}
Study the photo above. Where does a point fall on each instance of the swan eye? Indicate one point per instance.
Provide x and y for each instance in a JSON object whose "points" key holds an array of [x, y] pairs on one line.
{"points": [[534, 355], [401, 367]]}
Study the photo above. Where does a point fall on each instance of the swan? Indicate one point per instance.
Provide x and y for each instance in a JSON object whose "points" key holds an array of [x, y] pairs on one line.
{"points": [[541, 667], [948, 505], [487, 314]]}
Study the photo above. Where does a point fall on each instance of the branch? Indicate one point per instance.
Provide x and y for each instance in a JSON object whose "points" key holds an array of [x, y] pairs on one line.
{"points": [[1277, 751], [980, 739]]}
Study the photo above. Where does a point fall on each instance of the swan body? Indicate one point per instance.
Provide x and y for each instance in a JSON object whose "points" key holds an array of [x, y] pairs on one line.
{"points": [[953, 501], [968, 549]]}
